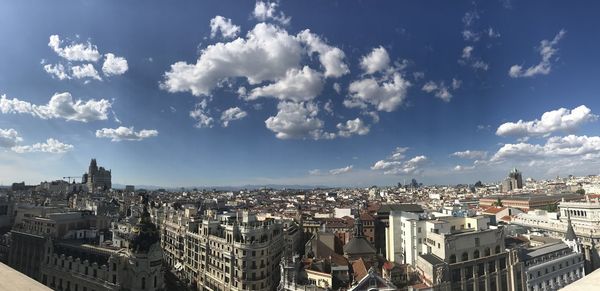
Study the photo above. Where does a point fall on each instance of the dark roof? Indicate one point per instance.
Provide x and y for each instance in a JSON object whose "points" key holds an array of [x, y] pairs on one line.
{"points": [[358, 246], [542, 250], [432, 259], [407, 207]]}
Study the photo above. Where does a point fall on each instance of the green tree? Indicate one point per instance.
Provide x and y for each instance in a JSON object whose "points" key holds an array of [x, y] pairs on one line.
{"points": [[498, 203], [580, 191]]}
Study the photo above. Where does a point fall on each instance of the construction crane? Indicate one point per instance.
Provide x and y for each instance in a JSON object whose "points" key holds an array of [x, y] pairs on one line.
{"points": [[71, 177]]}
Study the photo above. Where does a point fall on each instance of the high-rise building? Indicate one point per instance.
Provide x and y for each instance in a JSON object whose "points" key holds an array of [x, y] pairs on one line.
{"points": [[97, 178], [513, 181]]}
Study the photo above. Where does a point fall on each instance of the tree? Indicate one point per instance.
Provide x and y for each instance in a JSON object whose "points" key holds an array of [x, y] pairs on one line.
{"points": [[414, 183], [580, 191], [498, 203], [478, 184]]}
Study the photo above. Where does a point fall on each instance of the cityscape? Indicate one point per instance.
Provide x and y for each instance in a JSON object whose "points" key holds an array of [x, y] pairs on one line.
{"points": [[299, 145]]}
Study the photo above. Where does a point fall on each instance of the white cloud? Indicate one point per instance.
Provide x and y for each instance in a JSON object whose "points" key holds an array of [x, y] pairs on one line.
{"points": [[224, 26], [328, 107], [9, 138], [297, 85], [377, 60], [466, 53], [385, 94], [200, 114], [480, 65], [57, 71], [297, 121], [340, 171], [125, 133], [85, 71], [264, 11], [562, 119], [469, 154], [114, 65], [352, 127], [234, 113], [61, 105], [50, 146], [399, 153], [400, 167], [266, 53], [314, 172], [396, 165], [568, 147], [337, 87], [332, 58], [547, 50], [440, 89], [75, 51]]}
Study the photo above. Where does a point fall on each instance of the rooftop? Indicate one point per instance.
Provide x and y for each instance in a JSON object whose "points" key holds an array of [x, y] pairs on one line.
{"points": [[13, 280]]}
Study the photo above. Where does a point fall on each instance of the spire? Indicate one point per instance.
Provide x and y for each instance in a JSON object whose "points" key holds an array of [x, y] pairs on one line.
{"points": [[570, 234]]}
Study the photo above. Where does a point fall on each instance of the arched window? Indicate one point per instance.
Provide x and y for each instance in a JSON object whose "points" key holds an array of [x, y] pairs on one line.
{"points": [[465, 257], [476, 254], [143, 283], [497, 249], [452, 259], [487, 252]]}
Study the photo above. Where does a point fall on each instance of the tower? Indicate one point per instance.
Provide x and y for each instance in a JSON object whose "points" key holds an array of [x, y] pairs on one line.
{"points": [[570, 236]]}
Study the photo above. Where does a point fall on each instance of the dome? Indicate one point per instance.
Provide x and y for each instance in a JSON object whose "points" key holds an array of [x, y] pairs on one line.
{"points": [[144, 234]]}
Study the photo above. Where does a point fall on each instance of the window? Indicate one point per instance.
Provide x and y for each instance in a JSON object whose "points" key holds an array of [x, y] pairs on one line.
{"points": [[143, 283], [476, 254], [465, 257], [452, 259]]}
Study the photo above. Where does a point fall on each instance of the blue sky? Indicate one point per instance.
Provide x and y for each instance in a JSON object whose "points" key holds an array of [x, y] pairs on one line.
{"points": [[334, 92]]}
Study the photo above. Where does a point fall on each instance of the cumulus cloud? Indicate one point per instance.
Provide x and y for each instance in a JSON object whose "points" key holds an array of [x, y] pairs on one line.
{"points": [[9, 138], [396, 165], [571, 146], [114, 65], [377, 60], [331, 58], [224, 26], [234, 113], [61, 105], [547, 51], [352, 127], [440, 89], [125, 133], [85, 71], [264, 11], [50, 146], [562, 119], [297, 85], [469, 154], [267, 53], [385, 94], [340, 171], [297, 121], [74, 51]]}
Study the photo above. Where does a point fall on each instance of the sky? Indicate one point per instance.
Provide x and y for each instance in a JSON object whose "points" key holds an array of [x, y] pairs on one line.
{"points": [[331, 93]]}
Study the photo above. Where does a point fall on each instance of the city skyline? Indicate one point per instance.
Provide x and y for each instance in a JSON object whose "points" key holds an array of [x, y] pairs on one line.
{"points": [[227, 94]]}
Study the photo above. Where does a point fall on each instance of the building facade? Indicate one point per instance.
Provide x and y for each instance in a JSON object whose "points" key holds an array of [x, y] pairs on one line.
{"points": [[97, 178]]}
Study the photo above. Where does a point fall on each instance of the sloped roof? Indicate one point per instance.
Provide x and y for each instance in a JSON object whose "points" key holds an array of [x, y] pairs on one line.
{"points": [[358, 246]]}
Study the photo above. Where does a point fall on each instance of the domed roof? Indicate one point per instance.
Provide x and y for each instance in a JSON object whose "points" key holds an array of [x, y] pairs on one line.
{"points": [[145, 233]]}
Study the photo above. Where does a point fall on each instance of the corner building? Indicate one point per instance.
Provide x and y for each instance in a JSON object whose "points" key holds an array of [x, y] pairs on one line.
{"points": [[227, 252]]}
